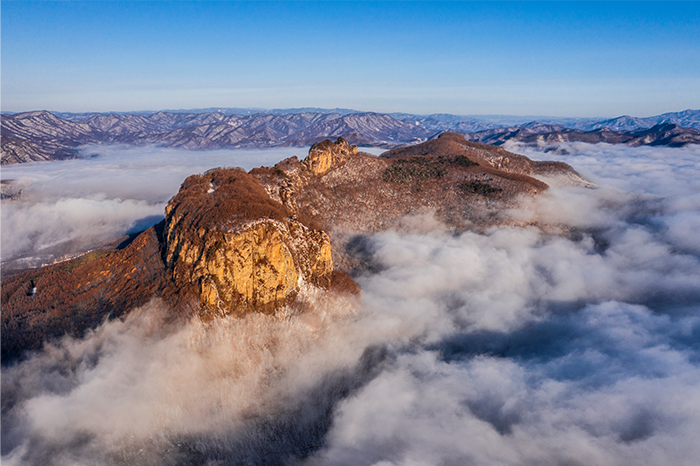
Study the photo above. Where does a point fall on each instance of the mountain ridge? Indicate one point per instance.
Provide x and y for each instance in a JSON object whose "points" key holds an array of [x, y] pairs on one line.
{"points": [[236, 242], [43, 136], [662, 134]]}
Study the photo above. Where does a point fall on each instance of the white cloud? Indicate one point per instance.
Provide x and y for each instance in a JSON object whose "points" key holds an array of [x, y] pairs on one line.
{"points": [[71, 206], [514, 347]]}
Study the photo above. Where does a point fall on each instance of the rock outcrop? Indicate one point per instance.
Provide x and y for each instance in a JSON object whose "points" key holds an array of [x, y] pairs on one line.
{"points": [[463, 185], [466, 184], [325, 154], [241, 250], [234, 242]]}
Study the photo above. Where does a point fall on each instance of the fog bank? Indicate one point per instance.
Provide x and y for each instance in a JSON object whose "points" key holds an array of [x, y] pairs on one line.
{"points": [[70, 206], [513, 347]]}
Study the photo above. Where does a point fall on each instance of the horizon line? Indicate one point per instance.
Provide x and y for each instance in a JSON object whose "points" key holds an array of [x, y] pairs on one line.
{"points": [[261, 110]]}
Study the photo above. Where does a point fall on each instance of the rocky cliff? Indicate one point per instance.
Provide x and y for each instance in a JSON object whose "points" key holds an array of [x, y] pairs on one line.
{"points": [[325, 155], [239, 248], [234, 242]]}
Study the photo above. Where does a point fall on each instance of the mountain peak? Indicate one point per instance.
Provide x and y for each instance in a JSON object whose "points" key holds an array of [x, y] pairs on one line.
{"points": [[235, 242], [325, 155]]}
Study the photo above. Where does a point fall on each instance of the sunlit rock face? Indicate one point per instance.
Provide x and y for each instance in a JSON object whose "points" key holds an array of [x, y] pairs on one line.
{"points": [[240, 249], [325, 155]]}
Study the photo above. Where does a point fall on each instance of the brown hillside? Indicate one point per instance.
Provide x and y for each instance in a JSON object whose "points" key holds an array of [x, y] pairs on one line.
{"points": [[464, 184], [234, 242], [74, 296]]}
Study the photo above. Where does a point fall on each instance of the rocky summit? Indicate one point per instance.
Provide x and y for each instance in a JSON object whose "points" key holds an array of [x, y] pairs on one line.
{"points": [[240, 249], [236, 242], [325, 155]]}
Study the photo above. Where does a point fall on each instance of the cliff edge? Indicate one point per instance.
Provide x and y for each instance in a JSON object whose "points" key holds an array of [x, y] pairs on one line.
{"points": [[240, 250]]}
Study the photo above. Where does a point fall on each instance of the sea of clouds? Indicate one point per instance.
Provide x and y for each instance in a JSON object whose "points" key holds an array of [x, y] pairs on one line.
{"points": [[72, 206], [520, 346]]}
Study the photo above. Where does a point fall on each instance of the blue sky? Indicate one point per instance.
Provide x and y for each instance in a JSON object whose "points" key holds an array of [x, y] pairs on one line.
{"points": [[529, 58]]}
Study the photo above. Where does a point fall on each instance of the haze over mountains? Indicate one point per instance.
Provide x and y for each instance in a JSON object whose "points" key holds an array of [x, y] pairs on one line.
{"points": [[42, 135]]}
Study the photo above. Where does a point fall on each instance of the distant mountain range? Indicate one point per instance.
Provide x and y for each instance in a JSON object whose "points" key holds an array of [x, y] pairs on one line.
{"points": [[538, 134], [42, 135]]}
